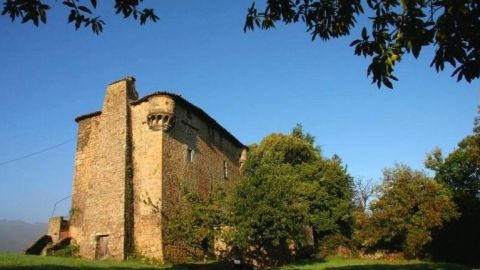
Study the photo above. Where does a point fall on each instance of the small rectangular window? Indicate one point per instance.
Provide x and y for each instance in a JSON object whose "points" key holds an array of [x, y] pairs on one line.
{"points": [[190, 153], [225, 170], [211, 133]]}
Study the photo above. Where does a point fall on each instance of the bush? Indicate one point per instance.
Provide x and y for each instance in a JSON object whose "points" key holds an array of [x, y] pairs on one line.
{"points": [[336, 245], [66, 251]]}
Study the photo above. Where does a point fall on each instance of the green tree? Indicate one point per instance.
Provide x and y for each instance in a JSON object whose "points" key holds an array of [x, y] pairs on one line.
{"points": [[297, 132], [409, 207], [289, 187], [80, 12], [268, 216], [460, 171], [327, 189], [398, 27], [191, 222]]}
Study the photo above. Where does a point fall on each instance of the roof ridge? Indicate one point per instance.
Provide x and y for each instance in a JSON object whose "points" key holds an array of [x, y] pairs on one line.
{"points": [[182, 100]]}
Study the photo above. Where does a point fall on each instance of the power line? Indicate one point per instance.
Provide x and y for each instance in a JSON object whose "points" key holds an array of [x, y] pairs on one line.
{"points": [[57, 202], [37, 152]]}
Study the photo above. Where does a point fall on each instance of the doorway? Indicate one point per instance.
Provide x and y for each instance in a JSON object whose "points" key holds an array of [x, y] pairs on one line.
{"points": [[101, 250]]}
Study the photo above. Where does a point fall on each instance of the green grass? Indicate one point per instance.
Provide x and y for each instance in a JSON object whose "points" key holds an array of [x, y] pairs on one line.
{"points": [[24, 262], [333, 263], [20, 262]]}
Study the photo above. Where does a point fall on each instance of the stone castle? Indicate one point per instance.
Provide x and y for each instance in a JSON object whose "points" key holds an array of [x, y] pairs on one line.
{"points": [[134, 149]]}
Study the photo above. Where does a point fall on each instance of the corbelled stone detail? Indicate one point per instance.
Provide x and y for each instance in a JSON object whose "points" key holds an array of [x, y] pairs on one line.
{"points": [[160, 121], [161, 114]]}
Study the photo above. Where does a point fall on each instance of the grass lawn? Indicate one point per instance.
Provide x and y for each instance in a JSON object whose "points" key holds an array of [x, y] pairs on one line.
{"points": [[24, 262], [20, 262], [363, 264]]}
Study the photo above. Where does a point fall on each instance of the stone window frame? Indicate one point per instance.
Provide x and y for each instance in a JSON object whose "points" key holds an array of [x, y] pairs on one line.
{"points": [[211, 133], [190, 155], [225, 169]]}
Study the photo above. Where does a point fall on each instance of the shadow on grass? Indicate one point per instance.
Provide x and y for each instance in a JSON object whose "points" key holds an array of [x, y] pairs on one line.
{"points": [[24, 262], [221, 266], [416, 266], [211, 266]]}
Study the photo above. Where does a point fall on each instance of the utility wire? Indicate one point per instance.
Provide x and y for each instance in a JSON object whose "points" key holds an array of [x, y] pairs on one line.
{"points": [[57, 202], [37, 152]]}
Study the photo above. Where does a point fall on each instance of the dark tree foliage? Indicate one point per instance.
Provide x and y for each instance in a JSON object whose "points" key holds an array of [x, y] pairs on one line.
{"points": [[398, 27], [409, 207], [297, 132], [80, 14], [290, 198], [460, 171]]}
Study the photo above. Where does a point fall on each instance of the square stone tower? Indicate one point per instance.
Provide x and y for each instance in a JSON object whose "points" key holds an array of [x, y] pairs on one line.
{"points": [[137, 149]]}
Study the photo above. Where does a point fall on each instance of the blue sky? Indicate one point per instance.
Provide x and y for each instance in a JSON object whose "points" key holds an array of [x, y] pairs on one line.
{"points": [[253, 83]]}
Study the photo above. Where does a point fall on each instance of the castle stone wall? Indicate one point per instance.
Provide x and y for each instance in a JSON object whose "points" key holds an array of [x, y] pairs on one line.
{"points": [[135, 156], [105, 206], [211, 151], [148, 162], [54, 228], [84, 173]]}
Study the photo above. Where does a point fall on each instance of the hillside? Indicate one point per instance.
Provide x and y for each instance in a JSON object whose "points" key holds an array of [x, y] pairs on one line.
{"points": [[16, 235]]}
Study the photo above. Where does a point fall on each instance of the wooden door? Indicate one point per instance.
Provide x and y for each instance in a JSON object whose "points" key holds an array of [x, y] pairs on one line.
{"points": [[102, 247]]}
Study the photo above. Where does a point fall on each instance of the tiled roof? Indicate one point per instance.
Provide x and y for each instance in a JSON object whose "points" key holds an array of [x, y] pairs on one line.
{"points": [[179, 99], [88, 115], [195, 109]]}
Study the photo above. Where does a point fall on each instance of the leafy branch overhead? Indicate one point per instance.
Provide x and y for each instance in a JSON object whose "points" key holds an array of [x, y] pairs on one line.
{"points": [[397, 27], [81, 13]]}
